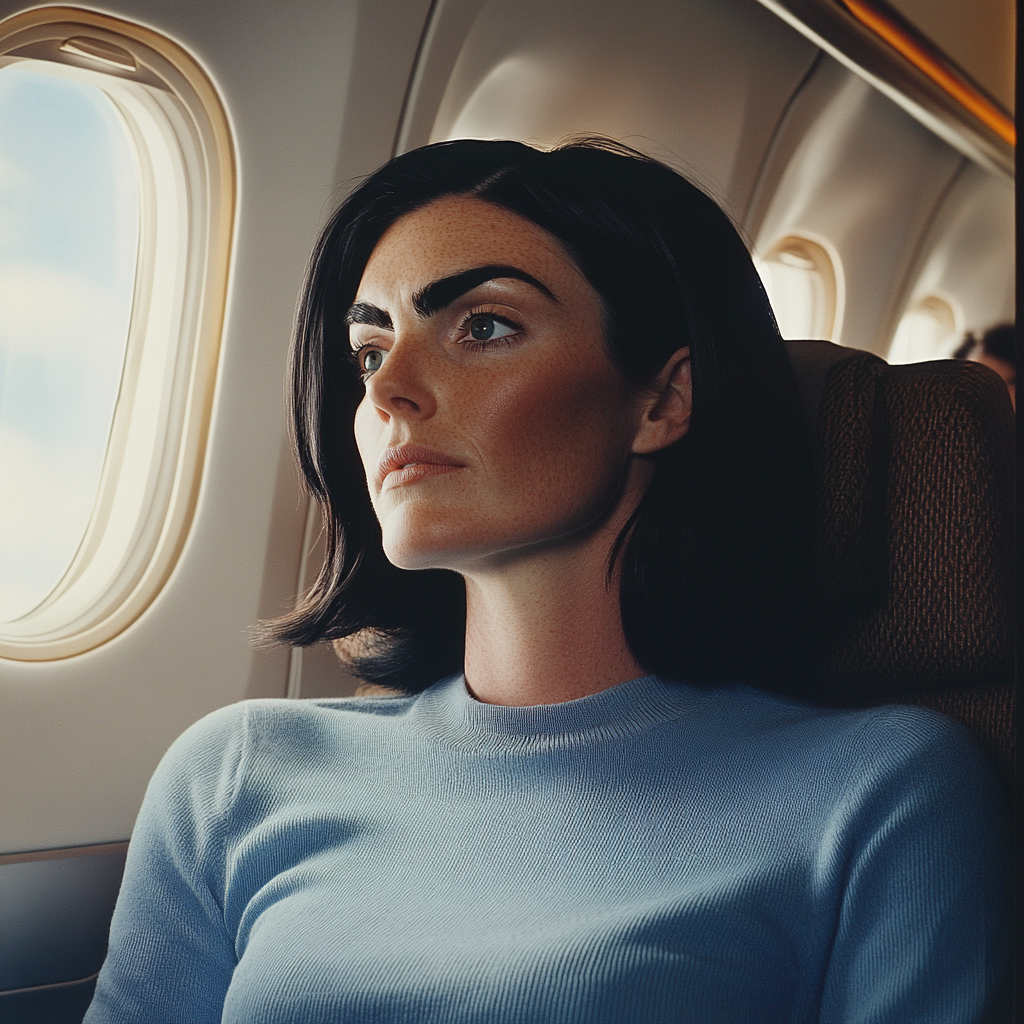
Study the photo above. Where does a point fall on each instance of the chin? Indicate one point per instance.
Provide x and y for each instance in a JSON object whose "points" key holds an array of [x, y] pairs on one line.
{"points": [[406, 558], [424, 547]]}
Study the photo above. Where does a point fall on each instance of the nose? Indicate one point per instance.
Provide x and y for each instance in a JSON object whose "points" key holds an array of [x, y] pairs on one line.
{"points": [[404, 386]]}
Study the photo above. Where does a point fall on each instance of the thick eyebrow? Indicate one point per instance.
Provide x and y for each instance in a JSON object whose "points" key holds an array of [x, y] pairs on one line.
{"points": [[439, 294], [364, 313]]}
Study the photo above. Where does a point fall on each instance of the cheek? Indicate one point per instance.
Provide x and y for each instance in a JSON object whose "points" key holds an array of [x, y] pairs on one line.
{"points": [[554, 441]]}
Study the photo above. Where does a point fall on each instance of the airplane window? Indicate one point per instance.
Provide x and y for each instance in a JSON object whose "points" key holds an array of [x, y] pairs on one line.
{"points": [[69, 227], [117, 194], [930, 329], [804, 286]]}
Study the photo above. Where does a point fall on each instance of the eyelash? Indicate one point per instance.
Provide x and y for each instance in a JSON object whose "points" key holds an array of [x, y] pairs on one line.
{"points": [[471, 343], [354, 355]]}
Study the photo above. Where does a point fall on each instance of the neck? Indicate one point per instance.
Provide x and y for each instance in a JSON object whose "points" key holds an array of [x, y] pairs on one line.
{"points": [[547, 629]]}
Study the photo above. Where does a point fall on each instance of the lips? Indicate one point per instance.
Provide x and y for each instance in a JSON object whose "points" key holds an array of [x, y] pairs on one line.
{"points": [[409, 462]]}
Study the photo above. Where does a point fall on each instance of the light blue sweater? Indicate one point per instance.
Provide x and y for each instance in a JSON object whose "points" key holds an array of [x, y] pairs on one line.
{"points": [[654, 852]]}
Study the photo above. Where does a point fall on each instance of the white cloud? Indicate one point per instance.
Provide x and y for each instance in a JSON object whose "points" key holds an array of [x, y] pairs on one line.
{"points": [[15, 186], [52, 312], [12, 175], [46, 498]]}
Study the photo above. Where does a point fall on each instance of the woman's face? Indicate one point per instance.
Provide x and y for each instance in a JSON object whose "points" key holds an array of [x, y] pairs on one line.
{"points": [[494, 424]]}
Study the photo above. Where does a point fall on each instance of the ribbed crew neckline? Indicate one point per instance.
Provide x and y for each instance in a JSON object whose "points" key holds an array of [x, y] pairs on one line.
{"points": [[449, 711]]}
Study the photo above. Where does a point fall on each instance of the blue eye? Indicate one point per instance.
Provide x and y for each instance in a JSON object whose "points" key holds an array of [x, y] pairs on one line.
{"points": [[370, 359], [484, 327]]}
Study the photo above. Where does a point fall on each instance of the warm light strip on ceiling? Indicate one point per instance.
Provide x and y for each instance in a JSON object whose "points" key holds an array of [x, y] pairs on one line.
{"points": [[934, 68]]}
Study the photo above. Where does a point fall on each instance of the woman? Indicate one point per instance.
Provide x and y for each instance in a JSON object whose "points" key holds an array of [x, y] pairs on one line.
{"points": [[571, 525]]}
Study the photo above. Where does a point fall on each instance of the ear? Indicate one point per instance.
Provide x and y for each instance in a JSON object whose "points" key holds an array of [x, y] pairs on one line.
{"points": [[665, 413]]}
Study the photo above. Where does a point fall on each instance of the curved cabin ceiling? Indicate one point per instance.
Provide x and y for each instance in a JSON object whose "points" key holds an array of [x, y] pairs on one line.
{"points": [[952, 68], [978, 36]]}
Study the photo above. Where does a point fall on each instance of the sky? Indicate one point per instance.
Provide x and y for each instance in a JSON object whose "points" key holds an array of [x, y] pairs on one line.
{"points": [[69, 225]]}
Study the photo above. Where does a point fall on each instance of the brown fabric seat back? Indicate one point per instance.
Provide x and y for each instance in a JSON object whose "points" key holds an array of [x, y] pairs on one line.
{"points": [[915, 470]]}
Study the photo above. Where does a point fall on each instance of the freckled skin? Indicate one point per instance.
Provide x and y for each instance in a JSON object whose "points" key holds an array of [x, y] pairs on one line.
{"points": [[546, 435], [543, 425]]}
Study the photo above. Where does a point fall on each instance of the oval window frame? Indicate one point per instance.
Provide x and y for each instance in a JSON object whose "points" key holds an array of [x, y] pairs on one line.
{"points": [[929, 304], [824, 260], [149, 486]]}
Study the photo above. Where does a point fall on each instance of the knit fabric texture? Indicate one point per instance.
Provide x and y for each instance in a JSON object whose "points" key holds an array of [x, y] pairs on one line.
{"points": [[654, 852], [931, 487], [915, 534]]}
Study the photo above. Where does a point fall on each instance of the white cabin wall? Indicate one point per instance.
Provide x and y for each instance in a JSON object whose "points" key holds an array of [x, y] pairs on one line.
{"points": [[312, 104], [850, 166], [700, 85], [968, 255]]}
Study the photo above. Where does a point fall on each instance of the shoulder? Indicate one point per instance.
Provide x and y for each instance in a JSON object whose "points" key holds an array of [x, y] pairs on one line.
{"points": [[897, 760], [250, 719], [896, 739], [921, 758], [281, 722], [862, 744], [903, 730], [897, 728], [866, 773], [227, 741], [206, 749]]}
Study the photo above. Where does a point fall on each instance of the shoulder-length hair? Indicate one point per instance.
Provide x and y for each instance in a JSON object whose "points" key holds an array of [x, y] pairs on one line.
{"points": [[715, 577]]}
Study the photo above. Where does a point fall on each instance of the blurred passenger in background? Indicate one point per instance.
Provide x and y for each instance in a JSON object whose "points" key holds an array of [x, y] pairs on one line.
{"points": [[996, 349]]}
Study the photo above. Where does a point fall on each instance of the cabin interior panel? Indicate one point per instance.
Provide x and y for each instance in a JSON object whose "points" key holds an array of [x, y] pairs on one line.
{"points": [[311, 106], [787, 139]]}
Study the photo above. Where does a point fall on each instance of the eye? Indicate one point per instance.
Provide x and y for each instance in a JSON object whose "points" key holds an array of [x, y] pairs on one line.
{"points": [[368, 360], [486, 327]]}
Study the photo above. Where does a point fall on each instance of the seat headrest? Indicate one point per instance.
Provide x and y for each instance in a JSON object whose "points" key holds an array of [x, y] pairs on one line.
{"points": [[915, 479]]}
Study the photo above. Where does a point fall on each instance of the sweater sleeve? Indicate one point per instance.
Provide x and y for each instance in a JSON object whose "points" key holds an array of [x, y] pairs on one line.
{"points": [[922, 933], [170, 957]]}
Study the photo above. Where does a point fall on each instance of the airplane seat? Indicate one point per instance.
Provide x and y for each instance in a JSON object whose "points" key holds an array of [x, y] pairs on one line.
{"points": [[915, 534]]}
